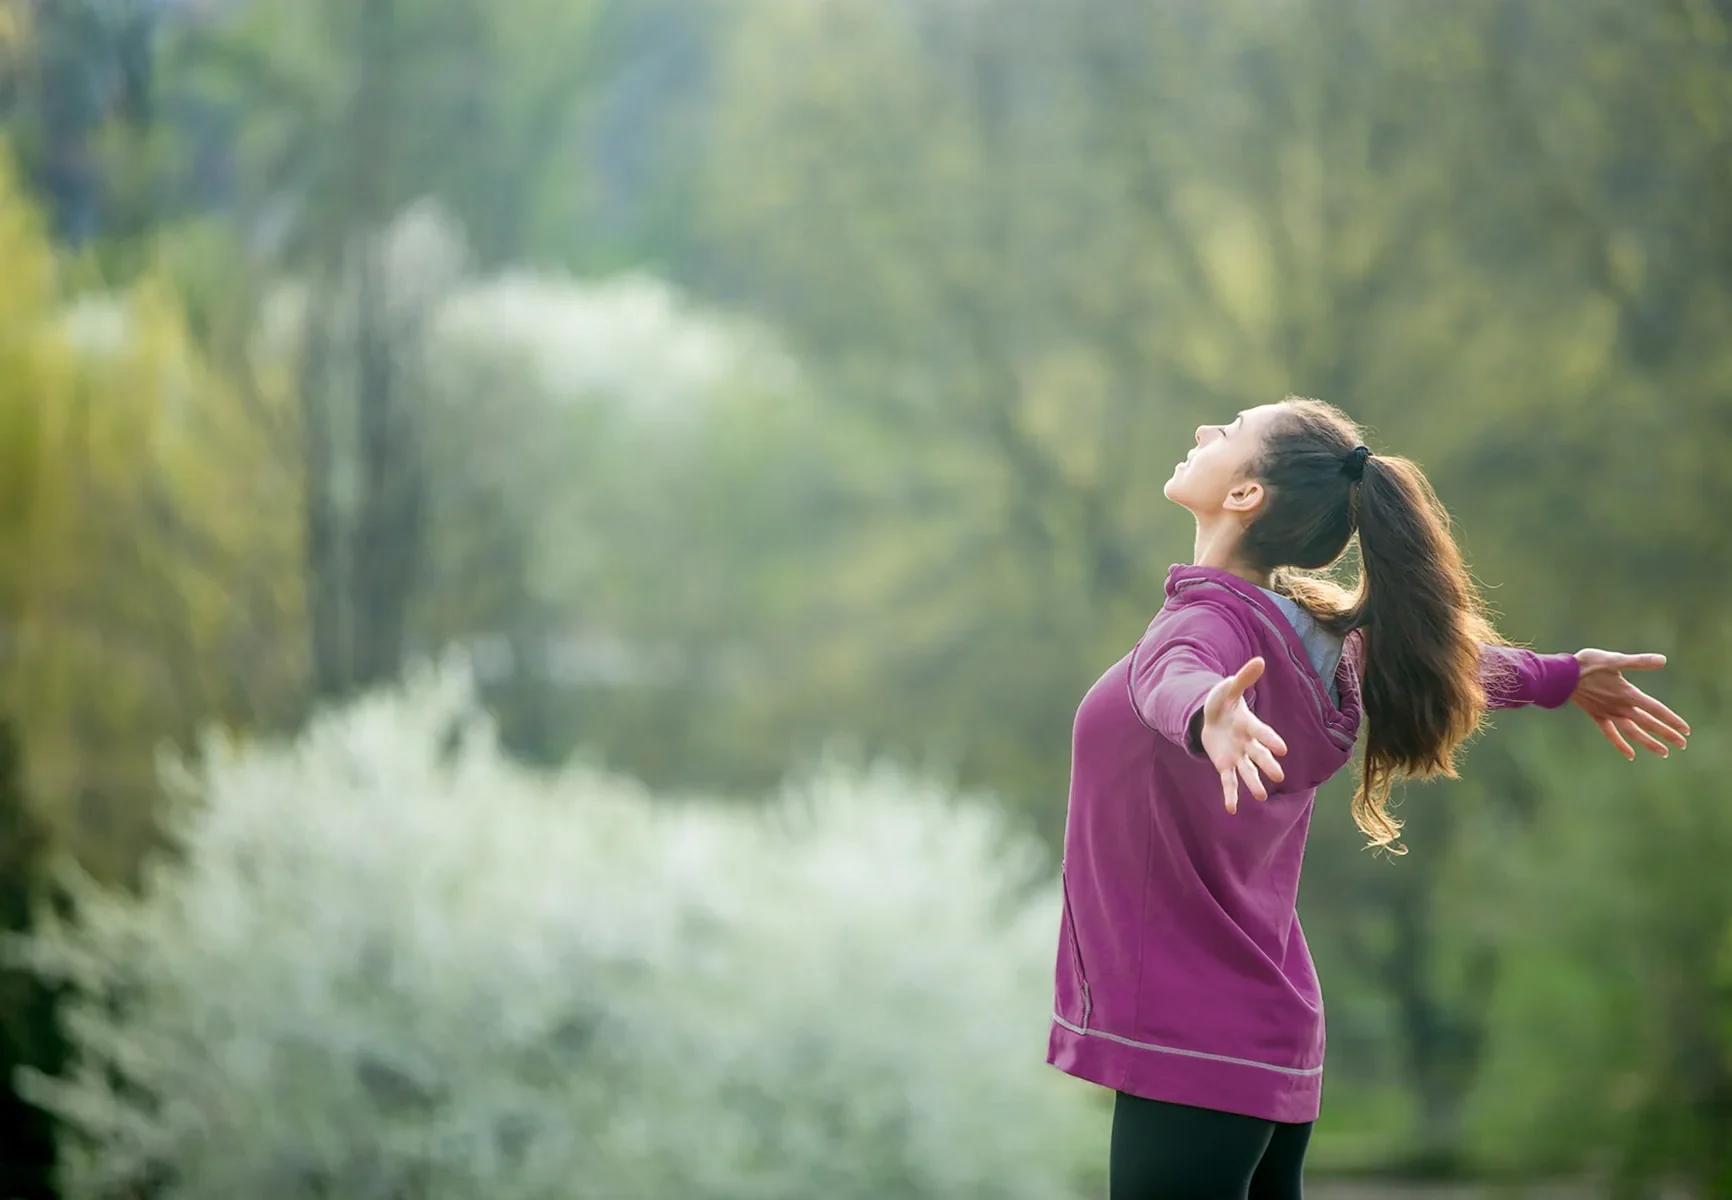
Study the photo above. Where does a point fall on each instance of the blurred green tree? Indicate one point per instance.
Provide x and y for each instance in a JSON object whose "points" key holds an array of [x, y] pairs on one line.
{"points": [[350, 112], [1026, 247]]}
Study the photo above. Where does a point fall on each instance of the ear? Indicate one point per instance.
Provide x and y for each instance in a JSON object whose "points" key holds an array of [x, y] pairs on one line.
{"points": [[1245, 498]]}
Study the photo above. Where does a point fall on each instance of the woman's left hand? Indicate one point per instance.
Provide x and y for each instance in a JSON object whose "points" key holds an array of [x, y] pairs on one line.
{"points": [[1623, 711]]}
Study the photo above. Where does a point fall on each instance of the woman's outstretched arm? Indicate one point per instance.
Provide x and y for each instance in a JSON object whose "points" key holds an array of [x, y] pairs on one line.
{"points": [[1592, 680]]}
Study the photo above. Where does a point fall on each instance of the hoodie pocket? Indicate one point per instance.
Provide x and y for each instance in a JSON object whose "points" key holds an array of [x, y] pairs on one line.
{"points": [[1074, 1002]]}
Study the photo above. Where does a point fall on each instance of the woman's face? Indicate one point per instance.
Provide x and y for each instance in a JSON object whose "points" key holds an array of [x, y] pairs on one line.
{"points": [[1214, 476]]}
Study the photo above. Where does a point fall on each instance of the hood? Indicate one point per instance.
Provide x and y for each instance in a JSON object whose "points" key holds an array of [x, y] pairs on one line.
{"points": [[1319, 733]]}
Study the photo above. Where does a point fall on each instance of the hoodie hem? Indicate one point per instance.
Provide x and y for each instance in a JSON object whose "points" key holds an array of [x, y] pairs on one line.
{"points": [[1287, 1095]]}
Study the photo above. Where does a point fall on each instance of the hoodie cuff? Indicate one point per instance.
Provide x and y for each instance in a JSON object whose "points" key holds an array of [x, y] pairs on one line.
{"points": [[1193, 743], [1559, 674]]}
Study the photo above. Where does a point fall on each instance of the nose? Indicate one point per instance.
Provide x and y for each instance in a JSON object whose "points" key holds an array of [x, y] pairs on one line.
{"points": [[1201, 429]]}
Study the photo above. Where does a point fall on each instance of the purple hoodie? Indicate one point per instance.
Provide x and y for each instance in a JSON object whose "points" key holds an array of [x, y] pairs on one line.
{"points": [[1182, 972]]}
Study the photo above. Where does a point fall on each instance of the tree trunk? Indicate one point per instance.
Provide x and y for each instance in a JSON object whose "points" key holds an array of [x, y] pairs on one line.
{"points": [[325, 581], [364, 564], [388, 526]]}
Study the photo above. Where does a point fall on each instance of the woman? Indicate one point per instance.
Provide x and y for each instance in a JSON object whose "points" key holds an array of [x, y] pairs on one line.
{"points": [[1183, 981]]}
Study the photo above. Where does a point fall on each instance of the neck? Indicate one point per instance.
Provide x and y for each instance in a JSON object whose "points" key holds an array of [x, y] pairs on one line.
{"points": [[1217, 546]]}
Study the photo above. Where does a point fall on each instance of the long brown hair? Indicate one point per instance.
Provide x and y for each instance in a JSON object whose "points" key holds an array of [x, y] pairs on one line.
{"points": [[1421, 618]]}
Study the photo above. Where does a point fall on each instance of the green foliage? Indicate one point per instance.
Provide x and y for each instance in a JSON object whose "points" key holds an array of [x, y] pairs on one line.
{"points": [[1611, 1023], [343, 113], [165, 593], [146, 583]]}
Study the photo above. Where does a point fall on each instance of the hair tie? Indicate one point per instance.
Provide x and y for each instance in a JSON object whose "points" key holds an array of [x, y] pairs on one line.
{"points": [[1354, 465]]}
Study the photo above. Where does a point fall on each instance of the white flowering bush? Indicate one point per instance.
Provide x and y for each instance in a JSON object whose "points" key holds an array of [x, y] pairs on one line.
{"points": [[384, 961], [572, 433], [632, 345], [632, 342], [595, 417]]}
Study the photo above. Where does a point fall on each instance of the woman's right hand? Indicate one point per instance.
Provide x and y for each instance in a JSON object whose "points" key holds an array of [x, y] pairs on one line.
{"points": [[1237, 743]]}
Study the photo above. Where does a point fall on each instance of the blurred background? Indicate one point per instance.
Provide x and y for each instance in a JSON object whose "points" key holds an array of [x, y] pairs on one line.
{"points": [[768, 402]]}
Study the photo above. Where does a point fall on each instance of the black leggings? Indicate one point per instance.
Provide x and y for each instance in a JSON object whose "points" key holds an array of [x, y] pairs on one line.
{"points": [[1164, 1151]]}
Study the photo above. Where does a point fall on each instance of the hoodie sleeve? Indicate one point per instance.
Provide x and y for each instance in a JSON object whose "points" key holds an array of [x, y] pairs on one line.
{"points": [[1515, 678], [1184, 655], [1512, 677]]}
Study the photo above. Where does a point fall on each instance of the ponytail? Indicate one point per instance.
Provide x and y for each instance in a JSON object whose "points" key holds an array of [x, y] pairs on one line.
{"points": [[1423, 623], [1421, 618]]}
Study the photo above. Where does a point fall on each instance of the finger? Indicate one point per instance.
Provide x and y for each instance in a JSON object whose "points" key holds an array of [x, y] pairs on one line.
{"points": [[1650, 705], [1652, 722], [1253, 781], [1614, 737], [1230, 785], [1259, 754], [1268, 737], [1230, 690], [1241, 680], [1637, 662], [1640, 736]]}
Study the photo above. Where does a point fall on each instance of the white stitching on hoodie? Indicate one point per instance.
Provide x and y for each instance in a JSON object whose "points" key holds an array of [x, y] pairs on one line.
{"points": [[1225, 1058]]}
